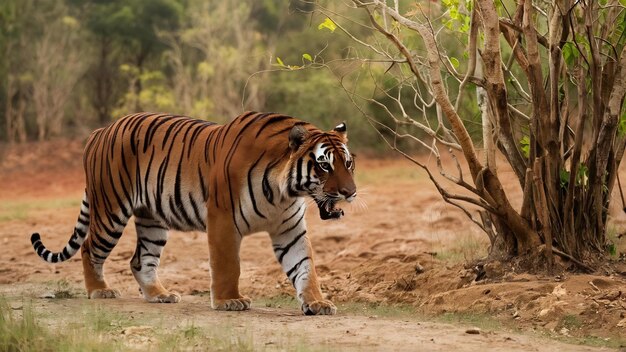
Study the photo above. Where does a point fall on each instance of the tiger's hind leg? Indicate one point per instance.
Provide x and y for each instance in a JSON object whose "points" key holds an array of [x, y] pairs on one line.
{"points": [[95, 251], [151, 238]]}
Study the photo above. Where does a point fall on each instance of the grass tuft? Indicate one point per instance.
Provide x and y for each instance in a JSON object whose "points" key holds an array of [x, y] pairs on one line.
{"points": [[571, 322], [62, 289], [465, 249], [20, 330], [191, 337]]}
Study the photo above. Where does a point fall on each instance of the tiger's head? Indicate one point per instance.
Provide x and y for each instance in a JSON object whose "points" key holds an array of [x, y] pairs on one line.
{"points": [[322, 168]]}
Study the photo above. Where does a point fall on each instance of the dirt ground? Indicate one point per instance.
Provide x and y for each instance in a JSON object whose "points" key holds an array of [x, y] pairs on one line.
{"points": [[405, 247]]}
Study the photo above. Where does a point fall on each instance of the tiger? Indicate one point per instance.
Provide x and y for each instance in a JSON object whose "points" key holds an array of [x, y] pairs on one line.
{"points": [[253, 174]]}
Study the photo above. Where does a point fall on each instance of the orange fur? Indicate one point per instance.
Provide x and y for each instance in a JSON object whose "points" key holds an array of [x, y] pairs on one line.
{"points": [[174, 172]]}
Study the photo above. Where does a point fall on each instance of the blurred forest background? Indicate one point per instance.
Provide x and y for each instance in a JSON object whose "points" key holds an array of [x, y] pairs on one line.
{"points": [[69, 66]]}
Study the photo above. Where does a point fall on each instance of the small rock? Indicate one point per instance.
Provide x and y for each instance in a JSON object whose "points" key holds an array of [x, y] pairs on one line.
{"points": [[419, 268], [622, 323], [559, 291], [47, 295], [473, 331], [550, 326]]}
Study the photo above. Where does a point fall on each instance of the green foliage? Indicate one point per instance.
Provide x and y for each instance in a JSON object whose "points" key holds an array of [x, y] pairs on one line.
{"points": [[564, 178], [582, 175], [299, 93], [155, 94], [570, 53], [612, 249], [203, 59], [133, 22], [458, 15], [525, 146]]}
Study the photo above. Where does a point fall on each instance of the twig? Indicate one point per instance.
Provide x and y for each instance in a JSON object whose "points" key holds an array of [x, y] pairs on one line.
{"points": [[580, 264]]}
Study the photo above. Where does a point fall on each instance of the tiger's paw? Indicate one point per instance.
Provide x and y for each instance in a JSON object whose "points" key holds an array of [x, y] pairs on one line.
{"points": [[321, 307], [167, 297], [105, 293], [242, 303]]}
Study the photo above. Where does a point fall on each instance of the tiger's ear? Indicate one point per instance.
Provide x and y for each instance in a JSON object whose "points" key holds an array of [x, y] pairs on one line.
{"points": [[297, 136], [342, 129]]}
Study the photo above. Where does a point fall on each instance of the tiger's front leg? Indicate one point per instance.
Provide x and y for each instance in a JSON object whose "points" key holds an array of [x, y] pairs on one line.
{"points": [[224, 245], [294, 253]]}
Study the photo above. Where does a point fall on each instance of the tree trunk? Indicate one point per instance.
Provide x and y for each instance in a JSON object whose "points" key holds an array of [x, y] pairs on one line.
{"points": [[8, 112], [575, 145], [103, 83]]}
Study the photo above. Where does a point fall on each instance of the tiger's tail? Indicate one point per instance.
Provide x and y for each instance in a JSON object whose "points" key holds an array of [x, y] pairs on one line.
{"points": [[74, 243]]}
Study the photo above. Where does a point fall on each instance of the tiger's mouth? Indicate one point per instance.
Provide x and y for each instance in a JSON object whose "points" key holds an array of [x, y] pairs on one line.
{"points": [[328, 210]]}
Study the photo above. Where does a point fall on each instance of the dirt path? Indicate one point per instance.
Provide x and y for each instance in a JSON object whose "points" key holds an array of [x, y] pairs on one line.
{"points": [[136, 324]]}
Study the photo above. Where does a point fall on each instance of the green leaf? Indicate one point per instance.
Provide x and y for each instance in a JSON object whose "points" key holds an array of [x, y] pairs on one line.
{"points": [[280, 62], [328, 24], [564, 177], [621, 128], [612, 249], [570, 53], [307, 57], [582, 176], [455, 62], [525, 146]]}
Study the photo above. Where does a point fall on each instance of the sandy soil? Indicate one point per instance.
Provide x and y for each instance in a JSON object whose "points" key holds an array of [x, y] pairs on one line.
{"points": [[406, 247], [280, 328]]}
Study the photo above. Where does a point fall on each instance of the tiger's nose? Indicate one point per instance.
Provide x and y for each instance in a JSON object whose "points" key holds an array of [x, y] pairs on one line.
{"points": [[348, 193]]}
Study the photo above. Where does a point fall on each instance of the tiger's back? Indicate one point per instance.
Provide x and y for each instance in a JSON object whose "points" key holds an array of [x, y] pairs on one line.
{"points": [[172, 165]]}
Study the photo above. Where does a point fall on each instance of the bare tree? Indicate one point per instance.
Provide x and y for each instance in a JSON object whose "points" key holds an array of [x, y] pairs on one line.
{"points": [[218, 39], [551, 104], [14, 115], [56, 69]]}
